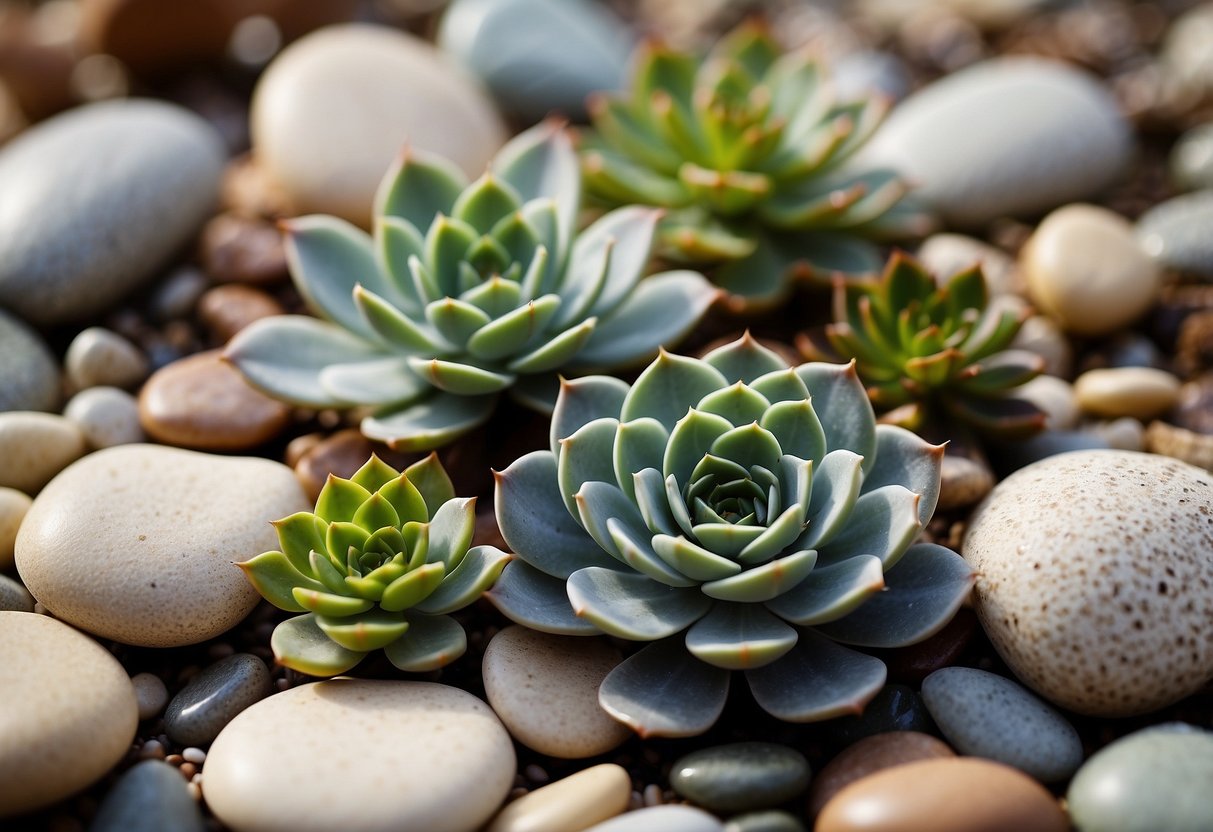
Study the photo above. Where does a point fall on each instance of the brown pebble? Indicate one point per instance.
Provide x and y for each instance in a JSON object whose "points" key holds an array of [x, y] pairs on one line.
{"points": [[342, 454], [174, 759], [299, 446], [914, 663], [238, 249], [201, 402], [870, 755], [225, 310], [248, 190], [188, 770], [960, 794]]}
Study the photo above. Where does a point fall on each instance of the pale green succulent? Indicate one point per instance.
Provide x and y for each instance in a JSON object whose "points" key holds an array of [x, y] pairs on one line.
{"points": [[740, 515], [382, 561], [465, 292]]}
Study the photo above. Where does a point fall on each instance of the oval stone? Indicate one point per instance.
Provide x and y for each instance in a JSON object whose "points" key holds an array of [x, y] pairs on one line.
{"points": [[214, 697], [741, 776], [29, 373], [69, 711], [107, 416], [357, 754], [35, 447], [1139, 392], [78, 230], [151, 797], [98, 356], [1192, 158], [661, 819], [14, 597], [1176, 233], [569, 805], [1095, 579], [153, 533], [13, 507], [869, 755], [150, 693]]}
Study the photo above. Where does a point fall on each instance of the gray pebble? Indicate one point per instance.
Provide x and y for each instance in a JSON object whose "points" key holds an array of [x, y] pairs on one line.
{"points": [[661, 819], [861, 74], [151, 797], [176, 296], [214, 697], [98, 357], [150, 694], [29, 373], [741, 777], [14, 597], [1192, 159], [1176, 233], [772, 821]]}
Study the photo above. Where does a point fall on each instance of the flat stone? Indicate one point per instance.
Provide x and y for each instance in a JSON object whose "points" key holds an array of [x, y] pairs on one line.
{"points": [[662, 819], [1156, 778], [1192, 158], [1094, 575], [962, 794], [162, 535], [1086, 268], [868, 756], [947, 254], [203, 402], [29, 373], [895, 708], [986, 715], [772, 820], [578, 801], [433, 755], [13, 506], [150, 797], [334, 109], [69, 711], [1139, 392], [1176, 233], [98, 357], [225, 310], [80, 230], [14, 597], [214, 697], [107, 416], [741, 777], [545, 689], [1007, 137], [34, 447], [150, 694]]}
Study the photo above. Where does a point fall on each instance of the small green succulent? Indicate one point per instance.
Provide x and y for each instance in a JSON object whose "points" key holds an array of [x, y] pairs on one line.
{"points": [[746, 149], [740, 515], [931, 353], [379, 565], [464, 292]]}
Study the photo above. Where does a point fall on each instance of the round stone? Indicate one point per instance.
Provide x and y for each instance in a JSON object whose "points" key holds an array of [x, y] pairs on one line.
{"points": [[1176, 233], [962, 794], [335, 108], [1123, 434], [1185, 50], [240, 249], [962, 482], [1192, 158], [107, 416], [947, 254], [1055, 397], [14, 597], [13, 506], [153, 533], [741, 776], [98, 357], [81, 229], [1007, 137], [357, 754], [29, 373], [986, 715], [150, 694], [569, 805], [151, 797], [545, 689], [225, 310], [1156, 778], [1140, 392], [35, 447], [661, 819], [214, 697], [868, 756], [1041, 334], [1085, 268], [203, 402], [1095, 579], [69, 711]]}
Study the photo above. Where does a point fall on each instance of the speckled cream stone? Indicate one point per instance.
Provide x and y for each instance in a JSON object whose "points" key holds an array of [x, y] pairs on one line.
{"points": [[545, 689], [136, 543], [1095, 579], [68, 712], [34, 447], [357, 754]]}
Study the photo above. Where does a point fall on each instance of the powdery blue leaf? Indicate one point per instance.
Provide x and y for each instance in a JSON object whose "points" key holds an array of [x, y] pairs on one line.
{"points": [[843, 681], [903, 458], [831, 592], [739, 637], [883, 523], [432, 641], [668, 388], [842, 405], [418, 187], [430, 423], [632, 606], [663, 691], [527, 596], [745, 359]]}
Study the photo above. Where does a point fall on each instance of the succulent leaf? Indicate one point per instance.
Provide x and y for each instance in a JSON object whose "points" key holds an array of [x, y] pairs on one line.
{"points": [[300, 644], [844, 681], [434, 641], [537, 600], [648, 691]]}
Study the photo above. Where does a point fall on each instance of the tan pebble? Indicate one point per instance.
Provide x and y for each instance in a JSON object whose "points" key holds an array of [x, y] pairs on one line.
{"points": [[962, 482], [545, 689], [299, 446], [107, 416], [202, 402], [14, 597], [960, 794], [870, 755], [69, 712], [569, 805], [98, 356], [1180, 443], [1055, 397], [238, 249], [152, 696], [1085, 268], [1123, 434], [249, 189], [947, 254], [1140, 392], [225, 310], [34, 447], [13, 506]]}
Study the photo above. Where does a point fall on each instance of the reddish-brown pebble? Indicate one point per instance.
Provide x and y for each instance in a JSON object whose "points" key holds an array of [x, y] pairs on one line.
{"points": [[961, 794], [201, 402], [238, 249], [225, 310], [870, 755], [342, 454], [914, 663]]}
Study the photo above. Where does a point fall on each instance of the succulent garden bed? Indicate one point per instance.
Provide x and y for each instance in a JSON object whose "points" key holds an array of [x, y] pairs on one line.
{"points": [[614, 416]]}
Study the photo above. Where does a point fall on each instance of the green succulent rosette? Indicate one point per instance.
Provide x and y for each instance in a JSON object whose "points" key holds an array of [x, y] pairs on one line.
{"points": [[748, 150], [738, 514], [465, 292], [379, 565], [932, 354]]}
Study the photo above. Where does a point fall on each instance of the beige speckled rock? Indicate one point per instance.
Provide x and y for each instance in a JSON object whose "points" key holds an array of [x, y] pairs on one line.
{"points": [[545, 689], [1140, 392], [152, 533], [14, 597], [366, 755], [569, 805], [13, 506], [69, 711], [1085, 267], [1095, 579], [98, 356], [107, 416], [34, 447]]}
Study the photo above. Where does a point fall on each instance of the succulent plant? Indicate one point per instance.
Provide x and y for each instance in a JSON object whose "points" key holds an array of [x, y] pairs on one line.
{"points": [[740, 515], [382, 561], [746, 148], [931, 353], [466, 291]]}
